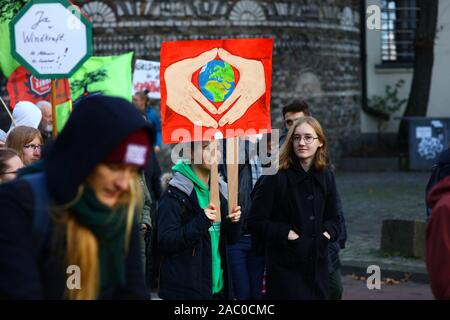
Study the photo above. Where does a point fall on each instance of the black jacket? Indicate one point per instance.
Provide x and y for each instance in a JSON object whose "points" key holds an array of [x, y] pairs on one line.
{"points": [[185, 245], [336, 246], [245, 182], [334, 262], [306, 203], [152, 173]]}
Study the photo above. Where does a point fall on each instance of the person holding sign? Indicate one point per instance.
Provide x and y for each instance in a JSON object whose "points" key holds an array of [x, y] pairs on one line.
{"points": [[193, 234], [295, 213], [68, 225], [143, 103]]}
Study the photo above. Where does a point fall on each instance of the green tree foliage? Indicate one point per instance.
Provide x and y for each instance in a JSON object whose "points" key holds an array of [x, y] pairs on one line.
{"points": [[91, 77], [9, 8]]}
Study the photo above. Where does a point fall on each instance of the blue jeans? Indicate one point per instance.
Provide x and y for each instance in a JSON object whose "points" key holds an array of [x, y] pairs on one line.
{"points": [[247, 269]]}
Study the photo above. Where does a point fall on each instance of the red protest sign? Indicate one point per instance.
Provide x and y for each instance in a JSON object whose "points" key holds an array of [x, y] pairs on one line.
{"points": [[23, 86], [211, 86]]}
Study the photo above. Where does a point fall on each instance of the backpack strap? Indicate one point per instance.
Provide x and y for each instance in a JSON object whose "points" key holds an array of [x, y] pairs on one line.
{"points": [[37, 182]]}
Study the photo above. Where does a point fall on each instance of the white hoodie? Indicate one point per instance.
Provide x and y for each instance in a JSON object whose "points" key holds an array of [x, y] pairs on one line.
{"points": [[26, 114]]}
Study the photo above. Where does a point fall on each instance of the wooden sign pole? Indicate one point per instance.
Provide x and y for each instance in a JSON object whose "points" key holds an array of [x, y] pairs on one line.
{"points": [[9, 112], [214, 179], [232, 172], [55, 130]]}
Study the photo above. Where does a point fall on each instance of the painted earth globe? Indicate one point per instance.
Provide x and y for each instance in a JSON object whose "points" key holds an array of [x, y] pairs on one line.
{"points": [[216, 80]]}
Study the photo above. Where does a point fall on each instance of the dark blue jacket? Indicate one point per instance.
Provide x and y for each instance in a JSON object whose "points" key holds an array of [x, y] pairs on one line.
{"points": [[245, 182], [153, 117], [185, 245]]}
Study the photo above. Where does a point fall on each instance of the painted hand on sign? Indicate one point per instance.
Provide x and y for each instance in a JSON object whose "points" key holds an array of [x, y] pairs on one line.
{"points": [[249, 88], [182, 95]]}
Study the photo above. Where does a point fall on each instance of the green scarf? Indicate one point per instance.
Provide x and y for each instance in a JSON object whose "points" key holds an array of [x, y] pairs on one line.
{"points": [[201, 190], [108, 225], [203, 196]]}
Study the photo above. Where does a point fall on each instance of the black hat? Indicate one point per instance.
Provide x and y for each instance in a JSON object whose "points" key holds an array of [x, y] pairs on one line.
{"points": [[96, 126]]}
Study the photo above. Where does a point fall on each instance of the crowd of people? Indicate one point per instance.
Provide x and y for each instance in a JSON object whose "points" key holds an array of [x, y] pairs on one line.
{"points": [[95, 198]]}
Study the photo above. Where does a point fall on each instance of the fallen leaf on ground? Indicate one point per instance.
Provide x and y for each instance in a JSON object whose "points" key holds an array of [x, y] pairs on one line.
{"points": [[406, 278], [392, 281]]}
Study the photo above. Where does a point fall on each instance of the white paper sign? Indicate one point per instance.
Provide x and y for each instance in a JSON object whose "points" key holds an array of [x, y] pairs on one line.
{"points": [[50, 39], [423, 132], [146, 77]]}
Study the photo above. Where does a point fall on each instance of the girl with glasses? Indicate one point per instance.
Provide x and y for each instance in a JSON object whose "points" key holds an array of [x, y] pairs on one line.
{"points": [[27, 141], [295, 213]]}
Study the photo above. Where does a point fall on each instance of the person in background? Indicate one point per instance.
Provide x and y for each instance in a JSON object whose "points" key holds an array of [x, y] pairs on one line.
{"points": [[438, 239], [78, 208], [439, 171], [291, 113], [26, 114], [9, 164], [438, 234], [46, 125], [146, 179], [193, 245], [144, 103], [245, 256], [27, 141]]}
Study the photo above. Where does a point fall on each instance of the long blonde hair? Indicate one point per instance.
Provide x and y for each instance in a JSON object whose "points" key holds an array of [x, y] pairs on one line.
{"points": [[287, 149], [82, 245]]}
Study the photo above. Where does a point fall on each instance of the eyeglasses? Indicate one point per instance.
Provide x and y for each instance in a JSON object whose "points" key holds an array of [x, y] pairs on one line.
{"points": [[33, 146], [8, 172], [307, 138]]}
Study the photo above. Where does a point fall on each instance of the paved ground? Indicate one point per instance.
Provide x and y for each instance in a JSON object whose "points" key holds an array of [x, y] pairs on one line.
{"points": [[368, 199], [357, 290]]}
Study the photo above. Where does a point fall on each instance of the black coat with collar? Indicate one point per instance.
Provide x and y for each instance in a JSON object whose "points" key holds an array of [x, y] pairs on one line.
{"points": [[185, 246], [306, 203]]}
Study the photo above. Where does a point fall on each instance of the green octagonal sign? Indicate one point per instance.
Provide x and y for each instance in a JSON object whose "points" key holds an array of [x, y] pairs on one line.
{"points": [[51, 38]]}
